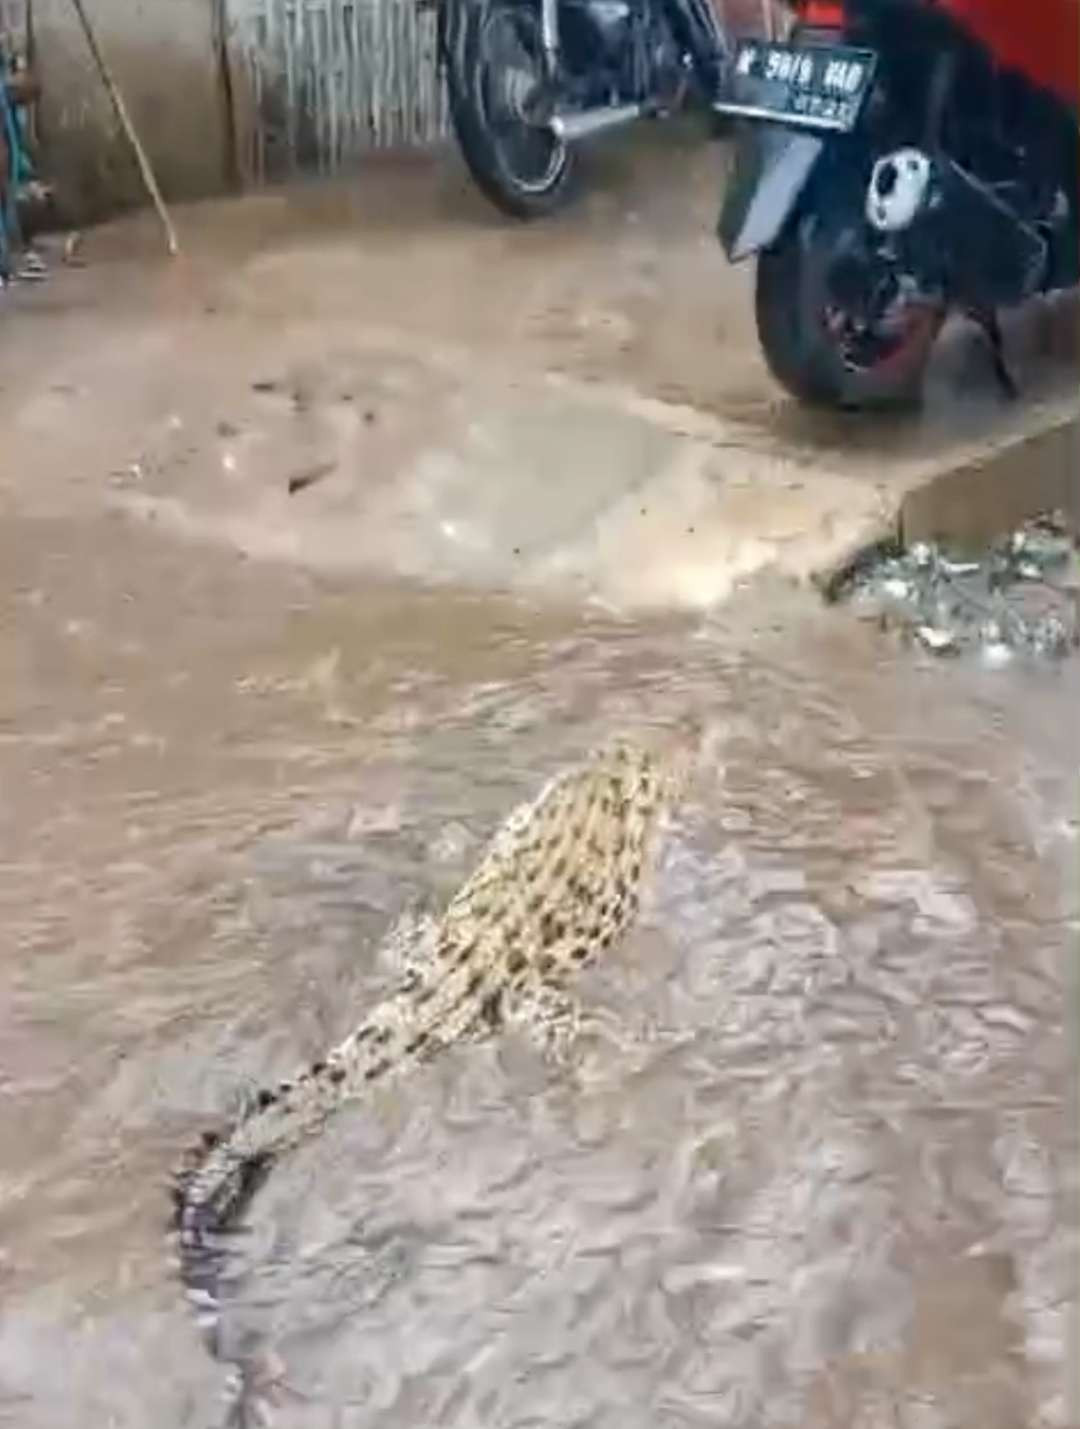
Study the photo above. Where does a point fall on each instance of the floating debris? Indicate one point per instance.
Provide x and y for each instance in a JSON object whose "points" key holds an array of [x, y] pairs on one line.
{"points": [[936, 639], [73, 250], [922, 555], [301, 480], [1022, 595], [996, 653]]}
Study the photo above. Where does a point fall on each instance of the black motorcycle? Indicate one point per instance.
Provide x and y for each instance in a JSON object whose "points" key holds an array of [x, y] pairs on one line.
{"points": [[527, 79], [898, 160]]}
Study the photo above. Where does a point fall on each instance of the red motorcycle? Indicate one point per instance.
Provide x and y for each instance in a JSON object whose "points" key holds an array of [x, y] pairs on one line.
{"points": [[899, 159]]}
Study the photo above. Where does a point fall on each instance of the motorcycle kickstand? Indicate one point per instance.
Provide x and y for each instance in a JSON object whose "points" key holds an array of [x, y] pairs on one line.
{"points": [[987, 320]]}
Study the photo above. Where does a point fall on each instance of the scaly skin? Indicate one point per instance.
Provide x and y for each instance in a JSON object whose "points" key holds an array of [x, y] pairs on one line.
{"points": [[560, 882]]}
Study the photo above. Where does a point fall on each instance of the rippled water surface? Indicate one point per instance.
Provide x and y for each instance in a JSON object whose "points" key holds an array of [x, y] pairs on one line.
{"points": [[814, 1161]]}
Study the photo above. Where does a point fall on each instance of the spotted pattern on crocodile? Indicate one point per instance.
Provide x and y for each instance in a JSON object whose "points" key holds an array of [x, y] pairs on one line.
{"points": [[560, 882]]}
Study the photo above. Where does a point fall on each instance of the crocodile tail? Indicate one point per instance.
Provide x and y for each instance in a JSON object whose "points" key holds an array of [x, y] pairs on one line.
{"points": [[221, 1174], [210, 1196]]}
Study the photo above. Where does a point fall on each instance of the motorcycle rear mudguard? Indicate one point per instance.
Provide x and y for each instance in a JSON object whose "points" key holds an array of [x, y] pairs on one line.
{"points": [[773, 163]]}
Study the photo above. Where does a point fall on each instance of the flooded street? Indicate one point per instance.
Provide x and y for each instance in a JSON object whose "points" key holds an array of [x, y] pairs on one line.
{"points": [[815, 1165], [814, 1161]]}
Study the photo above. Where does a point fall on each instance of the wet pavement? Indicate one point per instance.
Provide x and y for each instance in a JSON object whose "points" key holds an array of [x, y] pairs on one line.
{"points": [[381, 376], [815, 1164]]}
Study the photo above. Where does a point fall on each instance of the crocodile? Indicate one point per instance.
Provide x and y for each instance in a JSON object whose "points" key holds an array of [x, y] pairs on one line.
{"points": [[560, 882]]}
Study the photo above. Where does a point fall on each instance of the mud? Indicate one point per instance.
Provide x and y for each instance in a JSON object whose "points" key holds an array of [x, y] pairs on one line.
{"points": [[815, 1164], [577, 409]]}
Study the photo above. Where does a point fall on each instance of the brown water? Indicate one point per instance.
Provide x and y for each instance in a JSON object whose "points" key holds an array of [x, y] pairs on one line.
{"points": [[815, 1162]]}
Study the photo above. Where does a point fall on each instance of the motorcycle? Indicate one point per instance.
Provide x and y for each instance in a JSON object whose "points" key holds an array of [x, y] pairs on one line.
{"points": [[899, 160], [528, 79]]}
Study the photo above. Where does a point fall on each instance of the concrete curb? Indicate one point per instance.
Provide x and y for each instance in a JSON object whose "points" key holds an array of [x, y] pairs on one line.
{"points": [[970, 503], [973, 499]]}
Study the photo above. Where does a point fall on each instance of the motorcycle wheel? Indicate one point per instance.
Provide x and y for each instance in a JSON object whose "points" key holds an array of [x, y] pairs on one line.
{"points": [[495, 81], [837, 326]]}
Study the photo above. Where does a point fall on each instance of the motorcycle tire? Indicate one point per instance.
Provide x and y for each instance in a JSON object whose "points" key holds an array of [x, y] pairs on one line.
{"points": [[516, 195], [794, 308]]}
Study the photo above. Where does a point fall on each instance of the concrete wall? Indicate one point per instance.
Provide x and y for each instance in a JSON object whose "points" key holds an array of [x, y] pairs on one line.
{"points": [[164, 57]]}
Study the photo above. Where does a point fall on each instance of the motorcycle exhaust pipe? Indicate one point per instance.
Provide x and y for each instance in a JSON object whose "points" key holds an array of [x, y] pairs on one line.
{"points": [[571, 127]]}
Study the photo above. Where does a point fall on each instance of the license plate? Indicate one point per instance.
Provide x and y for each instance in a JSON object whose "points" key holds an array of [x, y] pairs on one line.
{"points": [[813, 86]]}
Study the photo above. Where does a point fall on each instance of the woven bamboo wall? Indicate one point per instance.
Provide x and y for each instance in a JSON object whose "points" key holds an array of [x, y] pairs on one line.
{"points": [[320, 81]]}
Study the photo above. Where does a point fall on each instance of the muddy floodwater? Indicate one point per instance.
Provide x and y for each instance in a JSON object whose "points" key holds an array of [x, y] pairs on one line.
{"points": [[814, 1161]]}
